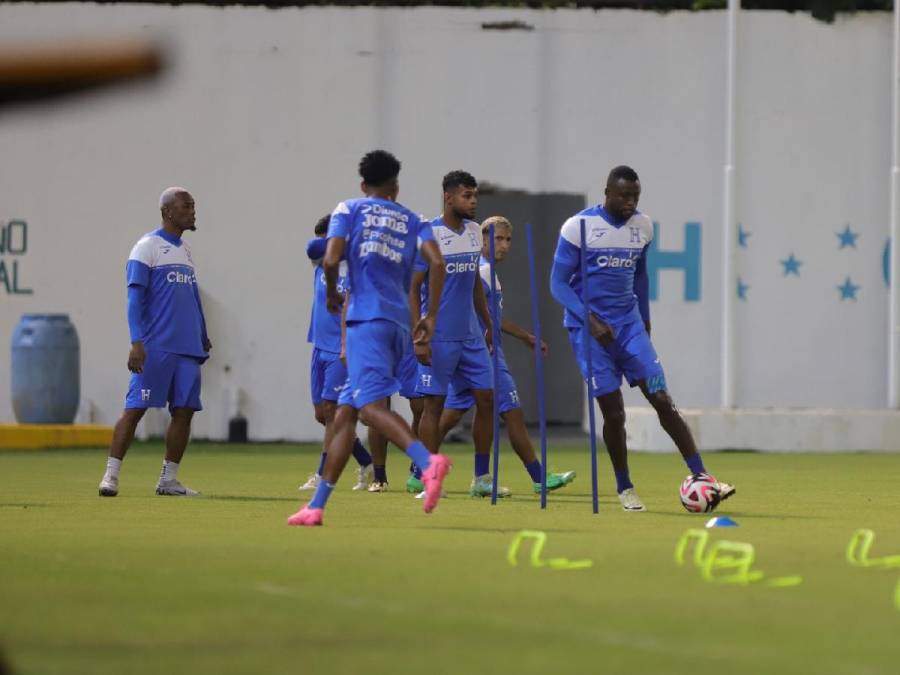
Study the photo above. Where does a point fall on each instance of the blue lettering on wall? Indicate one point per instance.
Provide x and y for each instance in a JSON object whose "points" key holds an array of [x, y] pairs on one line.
{"points": [[688, 260]]}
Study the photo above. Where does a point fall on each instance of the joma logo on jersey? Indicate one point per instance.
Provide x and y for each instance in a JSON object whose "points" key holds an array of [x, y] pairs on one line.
{"points": [[180, 278], [614, 261], [457, 267]]}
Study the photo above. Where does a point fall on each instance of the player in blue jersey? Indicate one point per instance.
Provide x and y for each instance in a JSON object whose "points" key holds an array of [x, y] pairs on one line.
{"points": [[460, 349], [327, 373], [168, 341], [507, 395], [379, 239], [617, 236]]}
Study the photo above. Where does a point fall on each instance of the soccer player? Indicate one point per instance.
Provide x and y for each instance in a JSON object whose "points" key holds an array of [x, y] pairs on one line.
{"points": [[617, 236], [379, 239], [460, 348], [327, 373], [458, 402], [168, 341]]}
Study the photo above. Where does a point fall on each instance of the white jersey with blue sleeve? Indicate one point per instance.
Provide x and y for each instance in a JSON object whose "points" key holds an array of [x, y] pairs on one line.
{"points": [[456, 318], [172, 317], [383, 238], [614, 251]]}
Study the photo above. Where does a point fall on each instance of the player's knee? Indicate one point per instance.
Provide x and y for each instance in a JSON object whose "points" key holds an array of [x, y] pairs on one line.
{"points": [[183, 415], [661, 402], [484, 399], [614, 416], [131, 416]]}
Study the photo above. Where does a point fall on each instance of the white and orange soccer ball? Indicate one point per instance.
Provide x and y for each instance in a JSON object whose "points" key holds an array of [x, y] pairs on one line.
{"points": [[700, 493]]}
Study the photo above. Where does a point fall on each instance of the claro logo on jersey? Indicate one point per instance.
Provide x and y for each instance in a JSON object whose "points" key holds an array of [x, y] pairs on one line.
{"points": [[461, 267], [614, 261], [174, 277]]}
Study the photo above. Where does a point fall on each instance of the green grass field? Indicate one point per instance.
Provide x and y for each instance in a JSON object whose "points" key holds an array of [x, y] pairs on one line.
{"points": [[219, 584]]}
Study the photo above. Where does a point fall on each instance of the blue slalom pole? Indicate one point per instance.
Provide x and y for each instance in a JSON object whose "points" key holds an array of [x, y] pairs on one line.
{"points": [[538, 364], [495, 333], [586, 345]]}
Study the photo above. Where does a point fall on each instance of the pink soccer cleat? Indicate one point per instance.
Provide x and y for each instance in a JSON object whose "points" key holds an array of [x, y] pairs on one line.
{"points": [[306, 516], [433, 477]]}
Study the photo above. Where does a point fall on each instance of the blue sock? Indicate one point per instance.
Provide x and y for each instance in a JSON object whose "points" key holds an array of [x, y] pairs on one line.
{"points": [[482, 464], [419, 454], [623, 481], [534, 470], [415, 471], [381, 473], [695, 463], [321, 465], [323, 492], [360, 454]]}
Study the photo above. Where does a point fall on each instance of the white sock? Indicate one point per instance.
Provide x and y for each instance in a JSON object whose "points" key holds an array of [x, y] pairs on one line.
{"points": [[169, 470], [113, 466]]}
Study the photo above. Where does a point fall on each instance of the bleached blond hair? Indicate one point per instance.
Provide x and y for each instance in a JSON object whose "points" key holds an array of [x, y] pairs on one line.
{"points": [[496, 221]]}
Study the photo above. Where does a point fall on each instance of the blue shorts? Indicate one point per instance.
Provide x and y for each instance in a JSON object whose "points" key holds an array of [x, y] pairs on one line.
{"points": [[631, 354], [327, 376], [375, 350], [167, 378], [409, 374], [506, 394], [465, 364]]}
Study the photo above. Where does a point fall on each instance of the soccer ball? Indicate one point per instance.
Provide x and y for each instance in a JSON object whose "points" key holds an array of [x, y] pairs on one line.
{"points": [[700, 493]]}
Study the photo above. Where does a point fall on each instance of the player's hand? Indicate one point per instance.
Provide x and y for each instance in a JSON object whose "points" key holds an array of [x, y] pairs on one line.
{"points": [[531, 341], [424, 329], [335, 302], [601, 331], [647, 326], [136, 357], [422, 350], [207, 345], [343, 355], [489, 340]]}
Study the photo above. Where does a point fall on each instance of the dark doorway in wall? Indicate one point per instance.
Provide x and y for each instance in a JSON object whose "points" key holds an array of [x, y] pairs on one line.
{"points": [[563, 391]]}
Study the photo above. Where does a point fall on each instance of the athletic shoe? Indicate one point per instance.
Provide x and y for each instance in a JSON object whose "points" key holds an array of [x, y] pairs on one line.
{"points": [[378, 486], [630, 501], [556, 481], [364, 477], [311, 483], [482, 486], [307, 516], [433, 477], [172, 488], [109, 486], [725, 491], [414, 485], [422, 494]]}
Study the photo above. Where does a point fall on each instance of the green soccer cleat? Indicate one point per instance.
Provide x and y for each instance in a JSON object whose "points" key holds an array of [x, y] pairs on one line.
{"points": [[414, 485], [555, 481], [482, 485]]}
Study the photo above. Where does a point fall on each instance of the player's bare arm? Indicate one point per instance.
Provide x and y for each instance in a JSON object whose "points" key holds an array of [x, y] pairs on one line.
{"points": [[331, 266], [516, 331]]}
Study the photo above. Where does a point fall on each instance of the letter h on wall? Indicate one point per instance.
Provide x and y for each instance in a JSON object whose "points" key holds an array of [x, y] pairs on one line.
{"points": [[688, 260]]}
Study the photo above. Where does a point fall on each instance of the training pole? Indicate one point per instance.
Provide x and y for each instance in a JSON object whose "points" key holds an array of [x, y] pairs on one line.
{"points": [[894, 219], [587, 339], [538, 364], [495, 334]]}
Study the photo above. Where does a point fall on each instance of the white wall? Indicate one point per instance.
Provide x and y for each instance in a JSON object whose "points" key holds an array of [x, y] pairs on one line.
{"points": [[265, 113]]}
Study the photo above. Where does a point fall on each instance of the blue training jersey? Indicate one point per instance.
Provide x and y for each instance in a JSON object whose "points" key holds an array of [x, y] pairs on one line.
{"points": [[383, 238], [324, 327], [456, 318], [614, 251], [172, 316]]}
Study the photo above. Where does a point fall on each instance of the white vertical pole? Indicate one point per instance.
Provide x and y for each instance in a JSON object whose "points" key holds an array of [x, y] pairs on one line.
{"points": [[728, 216], [894, 310]]}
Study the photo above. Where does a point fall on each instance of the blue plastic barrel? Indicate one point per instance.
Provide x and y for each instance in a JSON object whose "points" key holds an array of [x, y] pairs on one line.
{"points": [[46, 371]]}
